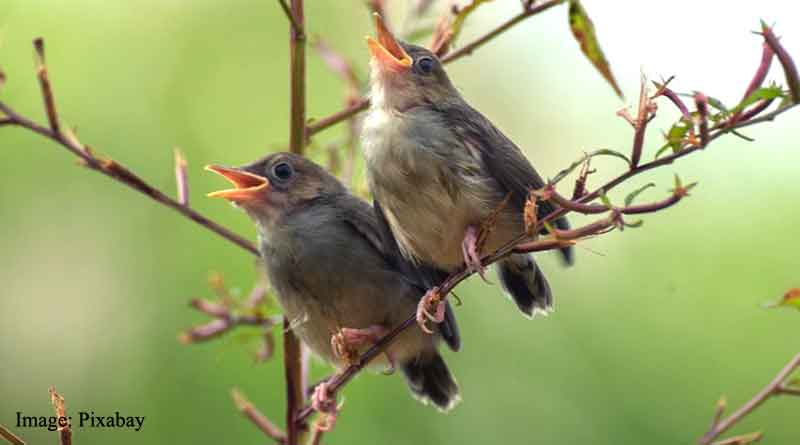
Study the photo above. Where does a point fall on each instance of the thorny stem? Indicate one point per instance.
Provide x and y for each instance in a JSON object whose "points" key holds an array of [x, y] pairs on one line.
{"points": [[772, 389]]}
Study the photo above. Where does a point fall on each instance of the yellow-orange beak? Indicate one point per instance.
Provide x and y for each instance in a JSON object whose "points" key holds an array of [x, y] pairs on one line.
{"points": [[247, 185], [386, 50]]}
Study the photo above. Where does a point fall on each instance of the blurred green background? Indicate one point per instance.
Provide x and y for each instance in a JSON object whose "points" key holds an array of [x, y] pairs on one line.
{"points": [[652, 325]]}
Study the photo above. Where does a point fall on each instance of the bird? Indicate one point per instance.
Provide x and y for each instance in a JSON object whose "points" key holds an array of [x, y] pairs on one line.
{"points": [[334, 280], [438, 169]]}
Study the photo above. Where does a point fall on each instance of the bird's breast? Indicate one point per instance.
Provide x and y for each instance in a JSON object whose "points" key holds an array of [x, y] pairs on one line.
{"points": [[430, 187]]}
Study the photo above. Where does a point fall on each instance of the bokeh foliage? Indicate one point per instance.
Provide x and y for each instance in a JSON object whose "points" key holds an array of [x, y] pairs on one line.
{"points": [[652, 325]]}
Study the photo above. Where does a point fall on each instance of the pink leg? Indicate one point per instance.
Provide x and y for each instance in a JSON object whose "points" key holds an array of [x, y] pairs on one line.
{"points": [[431, 300], [469, 248]]}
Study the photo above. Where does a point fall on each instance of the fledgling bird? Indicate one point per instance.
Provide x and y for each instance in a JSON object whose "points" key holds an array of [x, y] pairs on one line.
{"points": [[438, 169], [322, 250]]}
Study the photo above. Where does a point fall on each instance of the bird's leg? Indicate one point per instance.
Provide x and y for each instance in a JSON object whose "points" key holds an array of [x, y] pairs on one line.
{"points": [[431, 307], [348, 340], [323, 404], [470, 248]]}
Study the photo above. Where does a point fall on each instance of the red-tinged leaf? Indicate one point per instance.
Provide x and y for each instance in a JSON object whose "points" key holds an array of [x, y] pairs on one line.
{"points": [[789, 67], [583, 30], [790, 299]]}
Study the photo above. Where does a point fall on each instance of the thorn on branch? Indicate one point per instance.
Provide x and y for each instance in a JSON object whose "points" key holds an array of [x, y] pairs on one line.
{"points": [[44, 84], [181, 179], [645, 113], [64, 430], [259, 420]]}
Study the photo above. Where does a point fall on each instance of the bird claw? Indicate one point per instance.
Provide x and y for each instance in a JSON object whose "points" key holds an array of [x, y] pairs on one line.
{"points": [[323, 404], [432, 300], [470, 249], [346, 342]]}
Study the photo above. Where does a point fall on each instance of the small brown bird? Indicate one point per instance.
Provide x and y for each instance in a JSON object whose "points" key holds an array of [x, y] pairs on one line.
{"points": [[438, 169], [334, 280]]}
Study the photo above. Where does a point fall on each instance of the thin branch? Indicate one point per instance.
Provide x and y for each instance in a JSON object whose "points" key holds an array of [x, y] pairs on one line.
{"points": [[788, 390], [329, 121], [12, 438], [295, 382], [297, 69], [294, 362], [122, 174], [773, 388], [298, 28], [260, 420], [744, 439], [489, 36], [224, 320], [363, 104], [44, 84], [64, 429]]}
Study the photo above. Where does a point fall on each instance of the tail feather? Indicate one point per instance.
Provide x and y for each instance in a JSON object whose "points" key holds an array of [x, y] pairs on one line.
{"points": [[431, 381], [566, 252], [525, 282]]}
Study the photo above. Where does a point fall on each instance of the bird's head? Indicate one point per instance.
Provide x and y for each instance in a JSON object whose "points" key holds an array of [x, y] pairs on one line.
{"points": [[404, 75], [275, 186]]}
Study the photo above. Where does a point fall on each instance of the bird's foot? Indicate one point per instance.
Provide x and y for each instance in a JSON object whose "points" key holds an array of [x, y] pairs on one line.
{"points": [[326, 406], [348, 340], [431, 307], [470, 248]]}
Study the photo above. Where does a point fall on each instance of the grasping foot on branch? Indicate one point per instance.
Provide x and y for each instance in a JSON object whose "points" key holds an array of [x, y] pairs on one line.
{"points": [[325, 404], [430, 308], [348, 341]]}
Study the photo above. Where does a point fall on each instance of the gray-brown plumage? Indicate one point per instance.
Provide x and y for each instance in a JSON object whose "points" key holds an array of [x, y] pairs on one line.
{"points": [[438, 168], [323, 254]]}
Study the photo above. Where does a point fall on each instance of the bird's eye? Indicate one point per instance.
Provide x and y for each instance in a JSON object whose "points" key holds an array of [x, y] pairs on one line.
{"points": [[425, 64], [282, 171]]}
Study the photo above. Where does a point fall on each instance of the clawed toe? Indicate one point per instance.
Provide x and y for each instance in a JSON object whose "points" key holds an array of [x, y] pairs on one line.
{"points": [[431, 301]]}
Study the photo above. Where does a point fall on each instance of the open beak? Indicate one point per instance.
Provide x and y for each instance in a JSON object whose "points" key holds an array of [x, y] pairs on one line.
{"points": [[389, 54], [247, 186]]}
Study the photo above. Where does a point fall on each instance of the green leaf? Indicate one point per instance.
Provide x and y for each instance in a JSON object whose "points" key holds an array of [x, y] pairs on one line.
{"points": [[676, 137], [606, 202], [678, 183], [629, 199], [609, 152], [765, 93], [583, 30], [634, 225]]}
